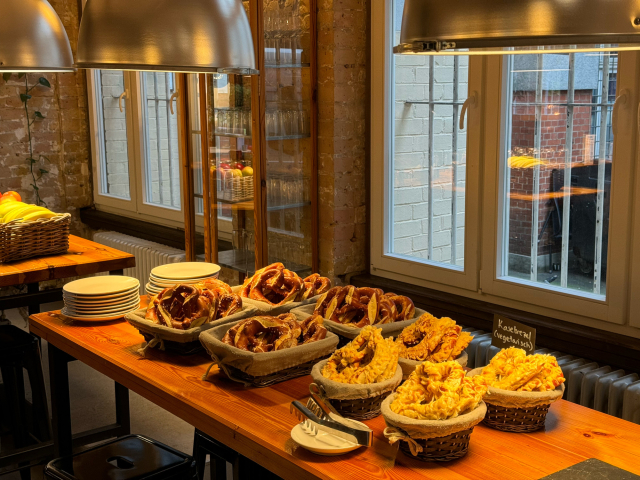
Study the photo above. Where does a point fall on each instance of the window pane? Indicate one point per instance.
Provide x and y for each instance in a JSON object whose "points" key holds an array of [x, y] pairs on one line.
{"points": [[428, 162], [112, 127], [162, 164], [559, 145]]}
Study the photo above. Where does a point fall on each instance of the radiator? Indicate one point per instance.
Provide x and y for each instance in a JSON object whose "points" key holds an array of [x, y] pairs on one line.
{"points": [[148, 254], [587, 383]]}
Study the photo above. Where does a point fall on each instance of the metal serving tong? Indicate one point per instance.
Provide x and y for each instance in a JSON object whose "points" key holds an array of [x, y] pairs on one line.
{"points": [[315, 424], [324, 410]]}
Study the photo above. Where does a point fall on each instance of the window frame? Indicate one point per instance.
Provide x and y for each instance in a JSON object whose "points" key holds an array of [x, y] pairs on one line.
{"points": [[620, 310], [428, 273], [136, 207]]}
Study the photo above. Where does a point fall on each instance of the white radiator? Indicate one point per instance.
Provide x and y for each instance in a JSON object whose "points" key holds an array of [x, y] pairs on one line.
{"points": [[148, 254], [586, 383]]}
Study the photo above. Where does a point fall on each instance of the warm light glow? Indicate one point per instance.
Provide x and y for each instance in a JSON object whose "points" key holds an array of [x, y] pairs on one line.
{"points": [[573, 191], [399, 50]]}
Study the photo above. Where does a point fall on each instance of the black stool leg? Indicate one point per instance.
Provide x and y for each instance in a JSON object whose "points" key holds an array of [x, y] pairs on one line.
{"points": [[13, 380], [199, 455], [60, 403], [218, 468], [33, 365]]}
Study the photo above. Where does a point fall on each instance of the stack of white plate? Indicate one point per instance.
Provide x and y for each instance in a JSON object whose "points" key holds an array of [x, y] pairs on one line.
{"points": [[101, 298], [188, 273]]}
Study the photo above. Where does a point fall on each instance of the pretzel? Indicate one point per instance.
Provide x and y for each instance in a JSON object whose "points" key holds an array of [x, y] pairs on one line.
{"points": [[187, 306], [359, 307], [265, 333], [276, 285]]}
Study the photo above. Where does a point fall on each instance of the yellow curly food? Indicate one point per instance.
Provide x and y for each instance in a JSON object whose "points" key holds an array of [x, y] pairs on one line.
{"points": [[433, 339], [438, 391], [368, 358], [512, 369]]}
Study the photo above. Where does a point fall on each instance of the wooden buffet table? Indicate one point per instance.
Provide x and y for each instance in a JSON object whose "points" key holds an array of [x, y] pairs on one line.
{"points": [[83, 258], [257, 423]]}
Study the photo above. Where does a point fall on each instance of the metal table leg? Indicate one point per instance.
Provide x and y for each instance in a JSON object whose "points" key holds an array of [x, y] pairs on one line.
{"points": [[60, 402]]}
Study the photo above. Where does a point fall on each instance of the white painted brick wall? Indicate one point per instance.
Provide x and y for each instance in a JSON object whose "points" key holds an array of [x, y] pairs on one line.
{"points": [[411, 162]]}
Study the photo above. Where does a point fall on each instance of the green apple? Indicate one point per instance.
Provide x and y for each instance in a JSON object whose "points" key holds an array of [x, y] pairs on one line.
{"points": [[247, 171]]}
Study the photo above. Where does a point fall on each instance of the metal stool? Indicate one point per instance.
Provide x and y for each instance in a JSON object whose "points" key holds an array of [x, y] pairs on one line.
{"points": [[220, 454], [125, 458], [28, 422]]}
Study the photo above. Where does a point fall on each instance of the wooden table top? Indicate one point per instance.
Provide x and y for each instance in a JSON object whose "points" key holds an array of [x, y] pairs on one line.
{"points": [[256, 422], [83, 258]]}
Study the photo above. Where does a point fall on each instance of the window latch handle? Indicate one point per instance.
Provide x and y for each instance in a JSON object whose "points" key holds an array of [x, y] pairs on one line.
{"points": [[122, 95], [469, 101], [620, 100], [173, 97]]}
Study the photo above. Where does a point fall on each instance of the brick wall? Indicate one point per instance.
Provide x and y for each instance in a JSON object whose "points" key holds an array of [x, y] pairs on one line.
{"points": [[554, 128], [63, 136], [342, 102]]}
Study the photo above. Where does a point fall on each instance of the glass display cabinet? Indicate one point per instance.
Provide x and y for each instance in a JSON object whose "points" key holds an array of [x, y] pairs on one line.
{"points": [[255, 192]]}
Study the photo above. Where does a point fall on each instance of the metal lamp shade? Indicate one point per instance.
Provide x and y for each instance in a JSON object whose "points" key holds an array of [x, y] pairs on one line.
{"points": [[32, 38], [199, 36], [434, 26]]}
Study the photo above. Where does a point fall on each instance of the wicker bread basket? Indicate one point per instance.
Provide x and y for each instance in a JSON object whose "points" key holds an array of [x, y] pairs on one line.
{"points": [[182, 342], [21, 240], [518, 412], [431, 440], [408, 366], [358, 401], [264, 369], [276, 310], [347, 333]]}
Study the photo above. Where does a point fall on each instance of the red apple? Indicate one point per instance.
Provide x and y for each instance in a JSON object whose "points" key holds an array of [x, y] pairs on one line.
{"points": [[238, 166], [225, 166]]}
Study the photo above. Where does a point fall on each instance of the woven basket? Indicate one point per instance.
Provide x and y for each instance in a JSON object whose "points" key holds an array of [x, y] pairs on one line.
{"points": [[517, 412], [358, 401], [267, 380], [21, 240], [431, 440], [236, 189]]}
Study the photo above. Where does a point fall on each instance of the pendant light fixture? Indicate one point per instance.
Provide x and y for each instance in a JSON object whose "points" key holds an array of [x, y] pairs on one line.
{"points": [[196, 36], [32, 38], [484, 27]]}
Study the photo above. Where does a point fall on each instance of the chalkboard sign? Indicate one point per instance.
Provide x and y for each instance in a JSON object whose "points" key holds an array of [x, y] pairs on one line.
{"points": [[509, 333]]}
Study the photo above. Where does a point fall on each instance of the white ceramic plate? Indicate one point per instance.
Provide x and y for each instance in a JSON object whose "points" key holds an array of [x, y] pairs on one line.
{"points": [[101, 286], [101, 301], [171, 283], [331, 445], [152, 289], [185, 270], [98, 303], [88, 318], [92, 298], [102, 310]]}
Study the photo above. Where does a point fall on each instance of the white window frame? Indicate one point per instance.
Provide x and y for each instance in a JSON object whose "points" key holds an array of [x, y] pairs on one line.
{"points": [[136, 207], [620, 311], [401, 267]]}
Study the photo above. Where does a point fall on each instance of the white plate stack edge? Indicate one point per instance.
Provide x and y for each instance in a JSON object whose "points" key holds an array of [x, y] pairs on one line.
{"points": [[187, 273], [101, 298]]}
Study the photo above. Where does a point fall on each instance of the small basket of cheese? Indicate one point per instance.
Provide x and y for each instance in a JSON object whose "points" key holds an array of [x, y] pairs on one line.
{"points": [[360, 375], [434, 412], [521, 389], [432, 339]]}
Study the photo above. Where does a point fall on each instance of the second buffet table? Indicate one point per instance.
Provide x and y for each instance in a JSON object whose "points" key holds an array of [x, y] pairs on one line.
{"points": [[257, 423]]}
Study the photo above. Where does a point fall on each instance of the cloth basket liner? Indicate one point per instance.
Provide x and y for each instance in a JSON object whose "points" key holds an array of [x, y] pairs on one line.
{"points": [[404, 428], [163, 333], [347, 391], [388, 329], [510, 399], [408, 366], [261, 364], [274, 310]]}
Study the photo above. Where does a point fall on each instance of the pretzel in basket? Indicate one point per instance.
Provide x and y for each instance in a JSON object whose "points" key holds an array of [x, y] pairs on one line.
{"points": [[438, 391], [265, 333], [186, 306], [433, 339], [512, 369], [359, 307], [277, 285], [368, 358]]}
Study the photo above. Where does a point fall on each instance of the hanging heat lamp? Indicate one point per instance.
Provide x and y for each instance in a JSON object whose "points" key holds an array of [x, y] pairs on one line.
{"points": [[194, 36], [32, 38], [490, 27]]}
